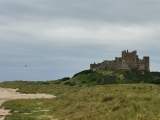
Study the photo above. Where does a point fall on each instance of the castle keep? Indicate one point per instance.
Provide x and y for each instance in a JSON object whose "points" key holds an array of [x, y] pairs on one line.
{"points": [[129, 60]]}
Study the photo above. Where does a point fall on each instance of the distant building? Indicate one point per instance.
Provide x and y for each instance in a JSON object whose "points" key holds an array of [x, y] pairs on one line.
{"points": [[129, 60]]}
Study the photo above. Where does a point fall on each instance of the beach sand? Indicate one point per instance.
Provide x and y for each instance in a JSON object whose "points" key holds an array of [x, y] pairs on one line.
{"points": [[11, 94]]}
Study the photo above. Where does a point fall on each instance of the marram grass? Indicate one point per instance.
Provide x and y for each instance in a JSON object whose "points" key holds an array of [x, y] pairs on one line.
{"points": [[107, 102]]}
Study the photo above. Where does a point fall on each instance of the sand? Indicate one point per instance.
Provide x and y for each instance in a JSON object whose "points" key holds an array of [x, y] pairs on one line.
{"points": [[11, 94]]}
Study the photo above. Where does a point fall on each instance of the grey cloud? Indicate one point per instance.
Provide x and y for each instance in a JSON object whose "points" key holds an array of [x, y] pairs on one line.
{"points": [[58, 38], [123, 11]]}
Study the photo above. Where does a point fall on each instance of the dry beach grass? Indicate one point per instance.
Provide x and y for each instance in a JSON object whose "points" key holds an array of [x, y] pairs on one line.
{"points": [[100, 102]]}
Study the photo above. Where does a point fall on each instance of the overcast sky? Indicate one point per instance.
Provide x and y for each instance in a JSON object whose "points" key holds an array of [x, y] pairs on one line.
{"points": [[58, 38]]}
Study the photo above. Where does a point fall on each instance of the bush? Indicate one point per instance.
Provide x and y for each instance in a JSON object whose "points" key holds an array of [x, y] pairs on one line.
{"points": [[94, 78], [57, 82], [156, 74], [137, 76], [65, 78], [83, 72], [83, 82], [70, 83], [46, 83], [156, 81]]}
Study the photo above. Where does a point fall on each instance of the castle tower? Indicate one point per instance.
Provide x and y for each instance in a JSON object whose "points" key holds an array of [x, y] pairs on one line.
{"points": [[129, 57], [146, 63]]}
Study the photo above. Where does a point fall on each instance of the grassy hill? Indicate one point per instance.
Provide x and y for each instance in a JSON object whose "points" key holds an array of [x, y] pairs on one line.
{"points": [[88, 77], [84, 98]]}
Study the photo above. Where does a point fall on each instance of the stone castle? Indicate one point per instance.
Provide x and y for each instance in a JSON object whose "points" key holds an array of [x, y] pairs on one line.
{"points": [[129, 60]]}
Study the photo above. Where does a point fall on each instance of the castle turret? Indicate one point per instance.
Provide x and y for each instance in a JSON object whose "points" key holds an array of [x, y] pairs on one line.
{"points": [[146, 63]]}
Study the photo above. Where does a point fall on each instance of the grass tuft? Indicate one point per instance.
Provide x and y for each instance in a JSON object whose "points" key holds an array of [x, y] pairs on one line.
{"points": [[108, 98]]}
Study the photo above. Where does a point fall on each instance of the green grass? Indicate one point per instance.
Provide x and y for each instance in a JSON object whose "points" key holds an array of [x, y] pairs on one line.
{"points": [[106, 72], [107, 102], [19, 117], [89, 79]]}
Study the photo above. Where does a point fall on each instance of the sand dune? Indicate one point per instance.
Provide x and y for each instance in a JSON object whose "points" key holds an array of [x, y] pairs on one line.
{"points": [[11, 94]]}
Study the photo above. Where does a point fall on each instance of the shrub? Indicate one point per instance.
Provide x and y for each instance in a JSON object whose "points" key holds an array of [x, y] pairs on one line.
{"points": [[156, 81], [83, 82], [70, 83], [156, 74], [65, 78], [83, 72], [46, 83], [57, 82], [67, 83]]}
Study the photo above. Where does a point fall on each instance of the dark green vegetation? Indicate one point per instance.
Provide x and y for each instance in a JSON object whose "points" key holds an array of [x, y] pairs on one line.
{"points": [[115, 77], [82, 98]]}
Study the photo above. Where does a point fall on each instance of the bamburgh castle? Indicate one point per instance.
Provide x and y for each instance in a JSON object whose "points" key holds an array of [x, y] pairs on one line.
{"points": [[129, 60]]}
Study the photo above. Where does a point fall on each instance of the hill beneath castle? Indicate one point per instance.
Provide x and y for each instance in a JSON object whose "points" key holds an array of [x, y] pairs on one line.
{"points": [[121, 76]]}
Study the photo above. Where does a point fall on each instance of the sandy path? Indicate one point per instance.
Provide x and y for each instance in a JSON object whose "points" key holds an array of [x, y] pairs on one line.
{"points": [[10, 94]]}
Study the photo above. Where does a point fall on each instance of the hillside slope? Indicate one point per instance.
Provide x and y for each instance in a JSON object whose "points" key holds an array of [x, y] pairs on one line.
{"points": [[112, 77]]}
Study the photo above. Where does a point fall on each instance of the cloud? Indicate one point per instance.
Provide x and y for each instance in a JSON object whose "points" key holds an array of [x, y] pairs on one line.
{"points": [[59, 38], [79, 32], [114, 11]]}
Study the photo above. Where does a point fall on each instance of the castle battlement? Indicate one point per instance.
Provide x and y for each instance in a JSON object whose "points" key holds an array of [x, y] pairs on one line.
{"points": [[128, 60]]}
